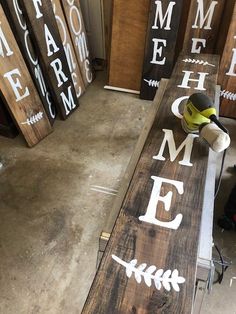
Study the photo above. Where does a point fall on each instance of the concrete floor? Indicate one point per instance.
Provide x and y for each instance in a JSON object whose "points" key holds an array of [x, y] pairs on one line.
{"points": [[53, 209]]}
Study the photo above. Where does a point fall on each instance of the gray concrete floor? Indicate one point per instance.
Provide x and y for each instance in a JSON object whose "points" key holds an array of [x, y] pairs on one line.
{"points": [[52, 209]]}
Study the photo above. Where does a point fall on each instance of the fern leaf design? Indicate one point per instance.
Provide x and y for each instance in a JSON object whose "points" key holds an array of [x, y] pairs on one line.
{"points": [[34, 119], [167, 278], [197, 61], [228, 95], [152, 83]]}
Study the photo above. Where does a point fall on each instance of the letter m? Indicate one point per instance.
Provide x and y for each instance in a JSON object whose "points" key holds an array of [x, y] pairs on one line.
{"points": [[82, 46], [159, 13], [200, 15], [68, 102], [187, 144]]}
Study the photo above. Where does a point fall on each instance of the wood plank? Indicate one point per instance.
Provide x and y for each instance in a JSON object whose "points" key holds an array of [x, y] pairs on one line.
{"points": [[19, 27], [43, 27], [227, 73], [202, 26], [133, 238], [18, 90], [74, 17], [129, 26], [68, 48], [160, 45]]}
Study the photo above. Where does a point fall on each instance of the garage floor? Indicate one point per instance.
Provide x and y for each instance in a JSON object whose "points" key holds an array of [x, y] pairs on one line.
{"points": [[56, 197]]}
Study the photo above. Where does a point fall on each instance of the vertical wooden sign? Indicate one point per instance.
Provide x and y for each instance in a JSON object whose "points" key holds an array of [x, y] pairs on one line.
{"points": [[68, 48], [227, 73], [18, 89], [19, 27], [202, 27], [43, 27], [149, 265], [76, 26], [163, 24]]}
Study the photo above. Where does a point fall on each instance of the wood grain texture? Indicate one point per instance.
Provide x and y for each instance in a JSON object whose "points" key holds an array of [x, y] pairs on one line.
{"points": [[159, 63], [207, 32], [69, 48], [112, 291], [75, 22], [129, 26], [18, 90], [227, 73], [19, 27], [43, 28]]}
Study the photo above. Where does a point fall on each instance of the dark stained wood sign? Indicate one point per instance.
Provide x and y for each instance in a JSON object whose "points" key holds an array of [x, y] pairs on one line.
{"points": [[18, 90], [202, 27], [76, 26], [43, 27], [227, 73], [19, 27], [68, 48], [7, 126], [149, 264], [164, 18]]}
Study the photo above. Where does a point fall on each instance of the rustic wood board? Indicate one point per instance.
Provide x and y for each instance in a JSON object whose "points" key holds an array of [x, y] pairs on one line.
{"points": [[18, 89], [69, 48], [227, 73], [75, 22], [160, 45], [202, 26], [20, 30], [112, 291], [45, 34], [129, 27]]}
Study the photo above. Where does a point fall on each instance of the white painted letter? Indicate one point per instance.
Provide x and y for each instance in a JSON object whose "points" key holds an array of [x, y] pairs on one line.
{"points": [[57, 67], [150, 215], [187, 144], [50, 41], [15, 84], [158, 51], [202, 18], [36, 6], [231, 71], [160, 14], [186, 79], [81, 43], [4, 42], [68, 101], [194, 45], [175, 106]]}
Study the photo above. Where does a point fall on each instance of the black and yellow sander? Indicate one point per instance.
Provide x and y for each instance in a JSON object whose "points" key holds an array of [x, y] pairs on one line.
{"points": [[200, 116]]}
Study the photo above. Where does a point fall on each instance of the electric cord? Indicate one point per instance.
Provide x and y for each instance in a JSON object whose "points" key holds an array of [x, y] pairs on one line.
{"points": [[224, 265], [220, 174]]}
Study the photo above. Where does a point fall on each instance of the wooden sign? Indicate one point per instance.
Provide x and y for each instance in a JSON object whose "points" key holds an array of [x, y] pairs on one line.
{"points": [[79, 38], [149, 264], [68, 48], [164, 18], [19, 27], [18, 89], [227, 73], [202, 27], [45, 34], [129, 27], [7, 126]]}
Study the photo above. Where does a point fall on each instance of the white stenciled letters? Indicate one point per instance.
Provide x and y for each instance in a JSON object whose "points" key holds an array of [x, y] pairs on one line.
{"points": [[200, 81], [175, 106], [159, 13], [68, 102], [198, 44], [16, 85], [36, 6], [19, 15], [57, 67], [157, 50], [50, 41], [187, 145], [150, 215], [200, 15], [3, 42], [232, 71]]}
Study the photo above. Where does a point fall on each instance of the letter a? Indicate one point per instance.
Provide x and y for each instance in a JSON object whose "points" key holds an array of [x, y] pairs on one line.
{"points": [[50, 41]]}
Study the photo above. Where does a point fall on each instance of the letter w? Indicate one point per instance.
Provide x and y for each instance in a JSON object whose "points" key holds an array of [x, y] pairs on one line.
{"points": [[187, 144], [202, 18], [160, 14]]}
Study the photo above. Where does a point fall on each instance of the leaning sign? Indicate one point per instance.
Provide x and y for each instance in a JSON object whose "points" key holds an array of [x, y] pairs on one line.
{"points": [[149, 265]]}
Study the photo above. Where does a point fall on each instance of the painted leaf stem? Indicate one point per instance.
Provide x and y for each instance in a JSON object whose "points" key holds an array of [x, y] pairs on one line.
{"points": [[151, 274], [197, 61]]}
